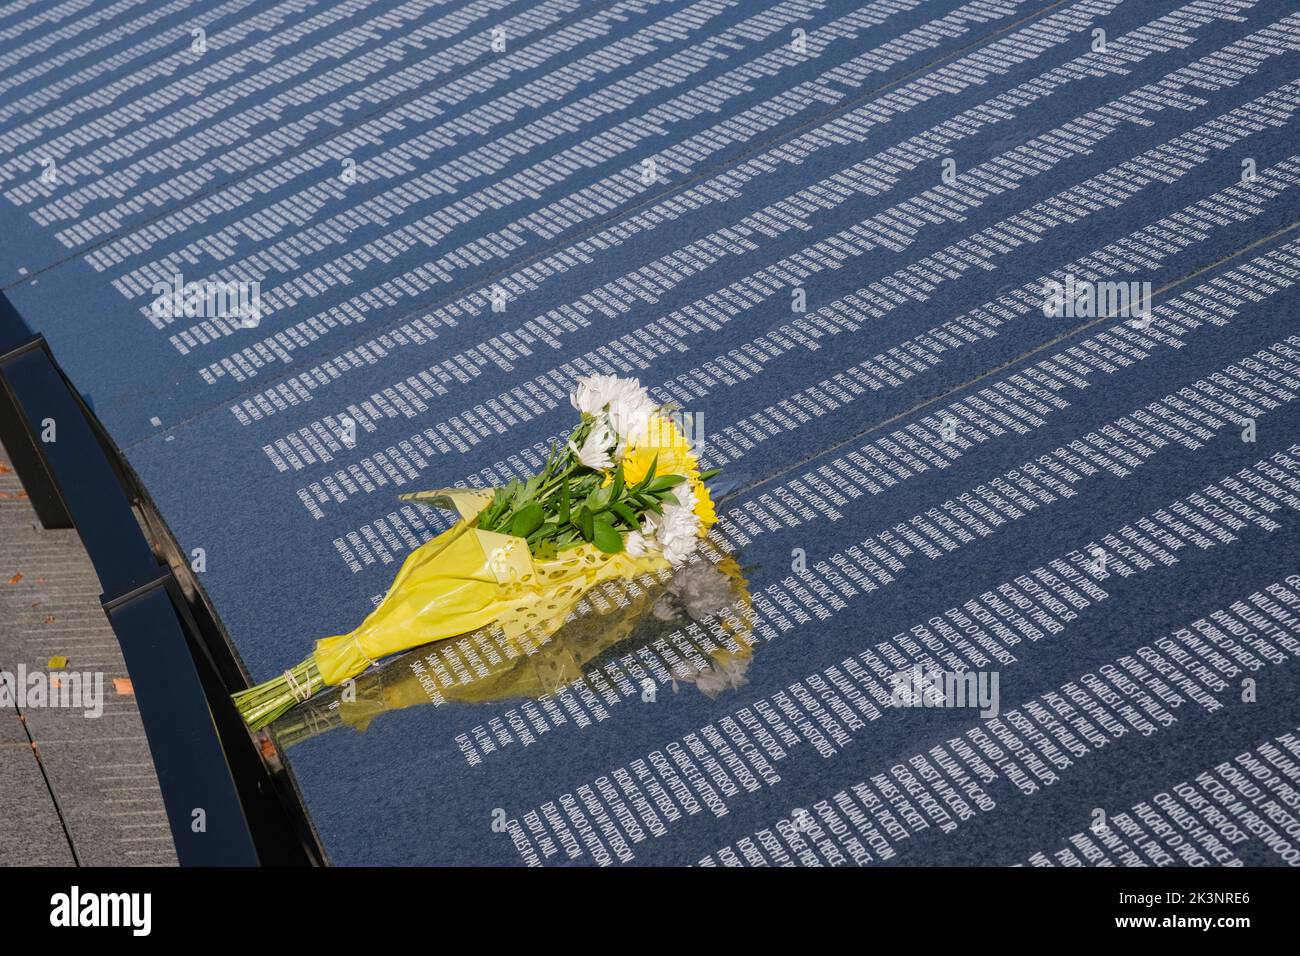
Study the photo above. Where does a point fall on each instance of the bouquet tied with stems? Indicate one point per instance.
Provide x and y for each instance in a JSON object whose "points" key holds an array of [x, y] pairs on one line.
{"points": [[624, 495]]}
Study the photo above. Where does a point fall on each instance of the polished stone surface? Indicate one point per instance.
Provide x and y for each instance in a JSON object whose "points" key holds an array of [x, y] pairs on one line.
{"points": [[654, 189]]}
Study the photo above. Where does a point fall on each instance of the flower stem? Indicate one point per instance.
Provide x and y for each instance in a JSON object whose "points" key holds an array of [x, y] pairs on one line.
{"points": [[264, 702]]}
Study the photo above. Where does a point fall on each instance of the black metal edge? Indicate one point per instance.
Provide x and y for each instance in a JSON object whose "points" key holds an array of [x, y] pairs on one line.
{"points": [[280, 826], [25, 453], [204, 754], [222, 670]]}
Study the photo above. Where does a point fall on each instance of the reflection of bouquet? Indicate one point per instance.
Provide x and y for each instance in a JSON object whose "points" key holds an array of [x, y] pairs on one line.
{"points": [[624, 496], [698, 592], [631, 616]]}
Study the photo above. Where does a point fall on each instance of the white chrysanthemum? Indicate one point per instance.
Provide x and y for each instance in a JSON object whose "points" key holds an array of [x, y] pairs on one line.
{"points": [[628, 404], [636, 544], [595, 450], [594, 392], [645, 541], [630, 415], [679, 528]]}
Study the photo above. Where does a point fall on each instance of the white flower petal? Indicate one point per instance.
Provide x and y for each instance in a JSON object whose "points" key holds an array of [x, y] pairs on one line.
{"points": [[679, 530], [628, 404], [596, 447], [638, 545]]}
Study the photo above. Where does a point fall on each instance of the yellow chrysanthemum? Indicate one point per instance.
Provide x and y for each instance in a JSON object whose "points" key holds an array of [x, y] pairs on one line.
{"points": [[703, 506], [663, 442]]}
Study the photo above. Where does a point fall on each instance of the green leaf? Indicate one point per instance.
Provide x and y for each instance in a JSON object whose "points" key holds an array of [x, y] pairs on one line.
{"points": [[605, 537], [512, 495], [710, 474], [586, 523], [665, 482], [527, 520], [649, 475], [543, 533], [564, 502], [668, 498], [616, 488], [488, 516], [626, 513]]}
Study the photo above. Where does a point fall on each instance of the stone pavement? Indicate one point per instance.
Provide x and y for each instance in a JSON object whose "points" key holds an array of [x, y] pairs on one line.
{"points": [[73, 789]]}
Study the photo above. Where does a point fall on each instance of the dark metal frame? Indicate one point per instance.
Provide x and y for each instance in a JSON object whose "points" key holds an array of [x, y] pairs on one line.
{"points": [[181, 667]]}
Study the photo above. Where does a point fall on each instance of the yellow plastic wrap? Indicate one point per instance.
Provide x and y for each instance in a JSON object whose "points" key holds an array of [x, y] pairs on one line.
{"points": [[535, 671], [467, 578]]}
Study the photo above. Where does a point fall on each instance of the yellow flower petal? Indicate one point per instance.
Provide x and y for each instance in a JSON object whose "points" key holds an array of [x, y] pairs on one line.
{"points": [[663, 443], [704, 506]]}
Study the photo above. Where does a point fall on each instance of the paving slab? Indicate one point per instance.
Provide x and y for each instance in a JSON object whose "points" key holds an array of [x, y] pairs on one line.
{"points": [[80, 775]]}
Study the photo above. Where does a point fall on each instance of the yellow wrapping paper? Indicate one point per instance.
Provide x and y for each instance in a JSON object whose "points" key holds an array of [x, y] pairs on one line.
{"points": [[467, 578], [563, 658]]}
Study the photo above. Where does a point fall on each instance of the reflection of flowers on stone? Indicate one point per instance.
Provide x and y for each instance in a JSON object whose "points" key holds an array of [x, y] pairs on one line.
{"points": [[698, 591], [726, 673], [703, 589]]}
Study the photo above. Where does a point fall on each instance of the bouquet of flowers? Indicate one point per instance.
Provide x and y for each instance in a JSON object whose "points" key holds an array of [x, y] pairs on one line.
{"points": [[623, 496]]}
